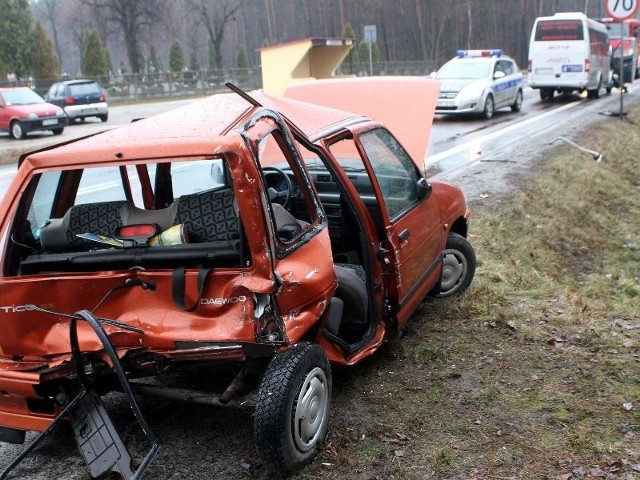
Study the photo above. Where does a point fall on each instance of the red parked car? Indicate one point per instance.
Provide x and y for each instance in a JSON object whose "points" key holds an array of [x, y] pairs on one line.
{"points": [[261, 239], [22, 110]]}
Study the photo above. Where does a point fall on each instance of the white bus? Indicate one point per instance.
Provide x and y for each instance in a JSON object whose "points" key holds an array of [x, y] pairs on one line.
{"points": [[569, 52]]}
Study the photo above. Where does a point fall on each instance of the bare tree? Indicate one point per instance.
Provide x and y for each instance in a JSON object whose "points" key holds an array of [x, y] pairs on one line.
{"points": [[49, 10], [131, 16], [215, 15]]}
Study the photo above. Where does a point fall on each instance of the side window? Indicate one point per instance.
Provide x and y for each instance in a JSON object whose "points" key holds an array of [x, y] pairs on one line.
{"points": [[291, 204], [294, 209], [395, 172], [197, 176], [507, 67], [41, 206]]}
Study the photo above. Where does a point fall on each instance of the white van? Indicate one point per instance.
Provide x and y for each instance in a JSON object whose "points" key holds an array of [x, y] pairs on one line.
{"points": [[568, 52]]}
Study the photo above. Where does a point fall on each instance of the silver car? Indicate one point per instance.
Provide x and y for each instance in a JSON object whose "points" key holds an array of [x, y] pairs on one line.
{"points": [[479, 82]]}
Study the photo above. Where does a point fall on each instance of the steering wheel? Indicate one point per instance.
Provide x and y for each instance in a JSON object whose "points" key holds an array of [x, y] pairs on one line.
{"points": [[284, 196]]}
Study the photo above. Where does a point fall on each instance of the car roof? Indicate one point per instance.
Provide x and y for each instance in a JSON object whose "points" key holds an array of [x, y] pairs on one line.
{"points": [[9, 89], [200, 128], [73, 82], [481, 59]]}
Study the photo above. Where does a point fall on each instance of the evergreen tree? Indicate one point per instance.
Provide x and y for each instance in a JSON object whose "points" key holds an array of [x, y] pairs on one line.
{"points": [[176, 58], [193, 62], [155, 63], [46, 64], [211, 55], [348, 33], [15, 37], [242, 59], [94, 56], [363, 52]]}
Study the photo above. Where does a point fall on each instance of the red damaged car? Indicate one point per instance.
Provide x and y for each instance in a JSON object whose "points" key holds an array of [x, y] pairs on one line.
{"points": [[261, 239]]}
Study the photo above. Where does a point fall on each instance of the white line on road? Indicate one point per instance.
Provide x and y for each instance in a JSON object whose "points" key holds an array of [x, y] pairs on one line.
{"points": [[474, 143]]}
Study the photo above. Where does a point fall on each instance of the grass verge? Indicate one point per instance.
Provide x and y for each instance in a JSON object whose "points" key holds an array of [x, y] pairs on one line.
{"points": [[535, 372]]}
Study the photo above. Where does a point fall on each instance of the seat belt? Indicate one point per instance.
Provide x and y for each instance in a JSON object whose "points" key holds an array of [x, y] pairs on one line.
{"points": [[178, 283]]}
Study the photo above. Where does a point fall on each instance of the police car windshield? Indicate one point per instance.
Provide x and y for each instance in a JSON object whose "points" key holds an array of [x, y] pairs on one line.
{"points": [[466, 70]]}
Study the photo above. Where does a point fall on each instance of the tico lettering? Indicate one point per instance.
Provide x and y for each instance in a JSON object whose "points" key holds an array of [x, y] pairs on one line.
{"points": [[22, 308]]}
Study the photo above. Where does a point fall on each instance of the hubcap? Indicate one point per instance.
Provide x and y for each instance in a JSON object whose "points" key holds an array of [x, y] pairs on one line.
{"points": [[17, 130], [454, 269], [310, 411], [489, 107]]}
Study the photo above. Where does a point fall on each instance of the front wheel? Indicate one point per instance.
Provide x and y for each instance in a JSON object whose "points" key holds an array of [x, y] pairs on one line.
{"points": [[458, 266], [292, 410], [16, 130], [487, 112]]}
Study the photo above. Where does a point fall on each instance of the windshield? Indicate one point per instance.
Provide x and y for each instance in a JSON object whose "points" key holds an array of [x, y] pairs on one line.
{"points": [[470, 70], [22, 96], [87, 88]]}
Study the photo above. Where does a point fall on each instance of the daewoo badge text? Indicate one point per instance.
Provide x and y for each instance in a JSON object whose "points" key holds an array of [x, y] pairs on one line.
{"points": [[222, 300]]}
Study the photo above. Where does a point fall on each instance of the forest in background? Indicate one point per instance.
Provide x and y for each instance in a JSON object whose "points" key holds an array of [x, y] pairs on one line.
{"points": [[140, 34]]}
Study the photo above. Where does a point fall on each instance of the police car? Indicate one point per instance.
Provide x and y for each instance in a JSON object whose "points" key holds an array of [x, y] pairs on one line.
{"points": [[479, 82]]}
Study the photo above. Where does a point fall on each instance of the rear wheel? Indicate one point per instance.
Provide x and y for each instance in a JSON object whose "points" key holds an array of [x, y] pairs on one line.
{"points": [[16, 130], [57, 131], [292, 411], [487, 112], [104, 118], [458, 266], [517, 104], [546, 94], [595, 94]]}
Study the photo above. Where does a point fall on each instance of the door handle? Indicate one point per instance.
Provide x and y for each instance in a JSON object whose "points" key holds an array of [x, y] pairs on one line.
{"points": [[403, 236]]}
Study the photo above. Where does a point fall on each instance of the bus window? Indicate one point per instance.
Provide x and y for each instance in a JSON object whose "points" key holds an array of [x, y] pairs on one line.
{"points": [[554, 30]]}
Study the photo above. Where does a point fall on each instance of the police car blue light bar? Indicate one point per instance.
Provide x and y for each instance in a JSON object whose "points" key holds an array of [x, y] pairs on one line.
{"points": [[496, 52]]}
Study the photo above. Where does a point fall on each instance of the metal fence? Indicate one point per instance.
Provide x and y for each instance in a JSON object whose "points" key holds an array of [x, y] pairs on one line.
{"points": [[149, 86]]}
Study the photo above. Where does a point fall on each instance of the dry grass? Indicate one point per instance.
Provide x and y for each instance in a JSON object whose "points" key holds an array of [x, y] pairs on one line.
{"points": [[535, 373]]}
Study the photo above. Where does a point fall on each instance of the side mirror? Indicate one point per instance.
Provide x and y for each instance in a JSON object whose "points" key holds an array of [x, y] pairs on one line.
{"points": [[498, 75], [423, 189]]}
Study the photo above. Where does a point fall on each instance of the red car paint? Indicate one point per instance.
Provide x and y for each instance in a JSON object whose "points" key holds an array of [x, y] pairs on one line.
{"points": [[336, 247]]}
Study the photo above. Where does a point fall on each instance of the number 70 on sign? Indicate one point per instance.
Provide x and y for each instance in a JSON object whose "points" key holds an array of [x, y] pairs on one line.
{"points": [[622, 9]]}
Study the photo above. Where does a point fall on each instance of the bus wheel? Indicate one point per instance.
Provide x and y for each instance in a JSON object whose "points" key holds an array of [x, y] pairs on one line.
{"points": [[595, 93], [546, 94]]}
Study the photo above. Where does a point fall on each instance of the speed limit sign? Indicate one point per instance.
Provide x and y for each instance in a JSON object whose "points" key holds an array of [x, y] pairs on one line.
{"points": [[622, 9]]}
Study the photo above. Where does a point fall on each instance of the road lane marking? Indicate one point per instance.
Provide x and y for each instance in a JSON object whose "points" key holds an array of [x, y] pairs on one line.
{"points": [[473, 144]]}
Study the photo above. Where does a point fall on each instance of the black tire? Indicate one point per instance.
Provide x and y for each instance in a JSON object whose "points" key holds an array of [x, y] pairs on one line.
{"points": [[459, 266], [546, 94], [104, 118], [292, 410], [57, 131], [517, 104], [595, 94], [16, 131], [489, 106]]}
